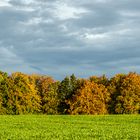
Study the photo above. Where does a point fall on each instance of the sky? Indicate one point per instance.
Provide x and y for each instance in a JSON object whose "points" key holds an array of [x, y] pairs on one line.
{"points": [[61, 37]]}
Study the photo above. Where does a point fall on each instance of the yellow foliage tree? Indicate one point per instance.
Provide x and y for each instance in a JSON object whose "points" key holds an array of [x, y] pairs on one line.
{"points": [[128, 101], [23, 97], [3, 92], [125, 93], [47, 90]]}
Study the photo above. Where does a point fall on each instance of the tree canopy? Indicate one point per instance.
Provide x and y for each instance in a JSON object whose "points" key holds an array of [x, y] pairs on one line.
{"points": [[33, 93]]}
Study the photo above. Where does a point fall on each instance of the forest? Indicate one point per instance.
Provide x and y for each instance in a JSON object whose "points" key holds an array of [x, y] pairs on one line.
{"points": [[41, 94]]}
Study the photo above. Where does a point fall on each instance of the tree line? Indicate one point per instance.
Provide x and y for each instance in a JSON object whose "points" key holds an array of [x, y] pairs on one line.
{"points": [[40, 94]]}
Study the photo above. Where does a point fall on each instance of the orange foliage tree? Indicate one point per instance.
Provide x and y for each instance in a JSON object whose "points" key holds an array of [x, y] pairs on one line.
{"points": [[91, 98]]}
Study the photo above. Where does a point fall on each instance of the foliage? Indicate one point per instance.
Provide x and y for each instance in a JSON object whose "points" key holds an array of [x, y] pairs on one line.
{"points": [[91, 98], [100, 80], [128, 102], [3, 91], [114, 90], [51, 100], [23, 94], [125, 93], [47, 90], [66, 89]]}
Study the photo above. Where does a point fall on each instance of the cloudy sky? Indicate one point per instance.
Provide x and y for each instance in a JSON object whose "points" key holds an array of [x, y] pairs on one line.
{"points": [[61, 37]]}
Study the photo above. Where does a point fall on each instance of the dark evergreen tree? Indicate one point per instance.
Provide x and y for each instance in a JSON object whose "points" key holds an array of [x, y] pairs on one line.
{"points": [[66, 89]]}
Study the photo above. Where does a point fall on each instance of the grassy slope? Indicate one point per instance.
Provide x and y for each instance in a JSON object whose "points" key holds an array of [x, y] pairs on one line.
{"points": [[70, 127]]}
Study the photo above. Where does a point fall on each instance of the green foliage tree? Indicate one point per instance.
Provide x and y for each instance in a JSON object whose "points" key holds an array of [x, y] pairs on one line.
{"points": [[100, 80], [66, 89]]}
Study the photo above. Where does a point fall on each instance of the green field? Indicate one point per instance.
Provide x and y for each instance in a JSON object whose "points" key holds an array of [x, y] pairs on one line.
{"points": [[39, 127]]}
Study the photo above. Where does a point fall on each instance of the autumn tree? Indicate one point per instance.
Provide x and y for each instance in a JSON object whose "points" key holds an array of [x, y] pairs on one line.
{"points": [[51, 99], [89, 99], [102, 80], [125, 93], [3, 92], [128, 101], [114, 89], [23, 96], [47, 90]]}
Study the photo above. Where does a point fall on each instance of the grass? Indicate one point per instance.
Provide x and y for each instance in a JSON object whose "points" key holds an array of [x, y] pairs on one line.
{"points": [[41, 127]]}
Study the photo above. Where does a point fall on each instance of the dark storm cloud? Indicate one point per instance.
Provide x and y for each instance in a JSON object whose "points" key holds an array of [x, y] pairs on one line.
{"points": [[60, 37]]}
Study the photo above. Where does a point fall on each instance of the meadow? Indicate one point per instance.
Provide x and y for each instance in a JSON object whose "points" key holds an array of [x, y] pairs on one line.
{"points": [[65, 127]]}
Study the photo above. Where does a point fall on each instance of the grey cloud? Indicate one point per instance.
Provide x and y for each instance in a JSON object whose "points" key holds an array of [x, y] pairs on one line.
{"points": [[37, 41], [127, 5], [97, 19]]}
